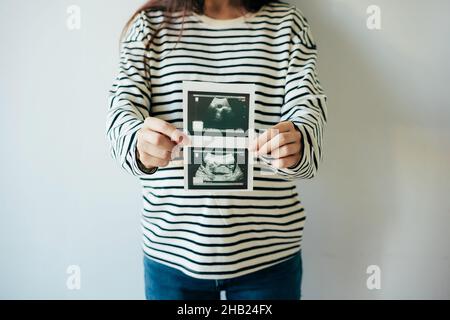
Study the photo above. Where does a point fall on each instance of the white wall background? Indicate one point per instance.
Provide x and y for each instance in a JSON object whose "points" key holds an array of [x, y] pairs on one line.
{"points": [[381, 196]]}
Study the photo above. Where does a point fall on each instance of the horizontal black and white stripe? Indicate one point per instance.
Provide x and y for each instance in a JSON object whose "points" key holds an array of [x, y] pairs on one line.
{"points": [[207, 235]]}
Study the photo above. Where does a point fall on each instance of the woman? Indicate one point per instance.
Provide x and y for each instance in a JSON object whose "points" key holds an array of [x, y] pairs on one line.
{"points": [[196, 246]]}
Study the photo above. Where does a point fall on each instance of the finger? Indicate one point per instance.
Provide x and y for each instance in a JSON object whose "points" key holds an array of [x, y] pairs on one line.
{"points": [[157, 139], [176, 155], [150, 161], [263, 138], [154, 151], [167, 129], [176, 152], [180, 137], [278, 141], [285, 162], [269, 134], [284, 126], [286, 150]]}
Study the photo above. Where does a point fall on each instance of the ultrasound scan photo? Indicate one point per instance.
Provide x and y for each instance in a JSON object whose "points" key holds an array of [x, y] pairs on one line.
{"points": [[221, 113], [217, 168]]}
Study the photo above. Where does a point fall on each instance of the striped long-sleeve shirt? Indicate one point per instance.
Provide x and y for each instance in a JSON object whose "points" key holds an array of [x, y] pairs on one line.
{"points": [[208, 235]]}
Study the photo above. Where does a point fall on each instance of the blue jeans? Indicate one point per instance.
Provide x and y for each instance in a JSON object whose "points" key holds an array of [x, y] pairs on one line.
{"points": [[281, 281]]}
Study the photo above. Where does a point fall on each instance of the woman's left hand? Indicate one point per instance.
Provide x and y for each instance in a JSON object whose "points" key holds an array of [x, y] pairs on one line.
{"points": [[282, 142]]}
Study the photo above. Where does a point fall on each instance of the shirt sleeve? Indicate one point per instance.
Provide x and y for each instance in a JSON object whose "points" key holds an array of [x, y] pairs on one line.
{"points": [[305, 103], [129, 98]]}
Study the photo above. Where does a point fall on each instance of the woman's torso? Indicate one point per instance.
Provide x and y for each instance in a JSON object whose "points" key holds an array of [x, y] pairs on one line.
{"points": [[210, 235]]}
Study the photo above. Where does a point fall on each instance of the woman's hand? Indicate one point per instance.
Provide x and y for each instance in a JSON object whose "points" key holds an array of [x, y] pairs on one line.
{"points": [[158, 142], [282, 142]]}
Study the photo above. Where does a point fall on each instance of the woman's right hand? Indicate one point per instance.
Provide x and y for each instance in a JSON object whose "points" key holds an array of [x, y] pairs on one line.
{"points": [[158, 142]]}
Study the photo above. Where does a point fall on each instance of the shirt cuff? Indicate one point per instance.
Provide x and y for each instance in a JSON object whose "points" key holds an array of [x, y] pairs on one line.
{"points": [[138, 168], [296, 167]]}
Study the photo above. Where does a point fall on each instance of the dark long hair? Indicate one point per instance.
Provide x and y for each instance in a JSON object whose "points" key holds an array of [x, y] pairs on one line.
{"points": [[186, 7]]}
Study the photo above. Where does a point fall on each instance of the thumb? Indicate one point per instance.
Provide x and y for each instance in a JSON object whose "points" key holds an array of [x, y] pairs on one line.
{"points": [[180, 137]]}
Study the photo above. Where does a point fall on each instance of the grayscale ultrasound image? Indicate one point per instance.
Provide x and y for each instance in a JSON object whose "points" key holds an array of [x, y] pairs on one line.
{"points": [[219, 168], [225, 113]]}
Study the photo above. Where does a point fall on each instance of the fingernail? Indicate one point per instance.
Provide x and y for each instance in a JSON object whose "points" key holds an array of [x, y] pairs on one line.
{"points": [[185, 139]]}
